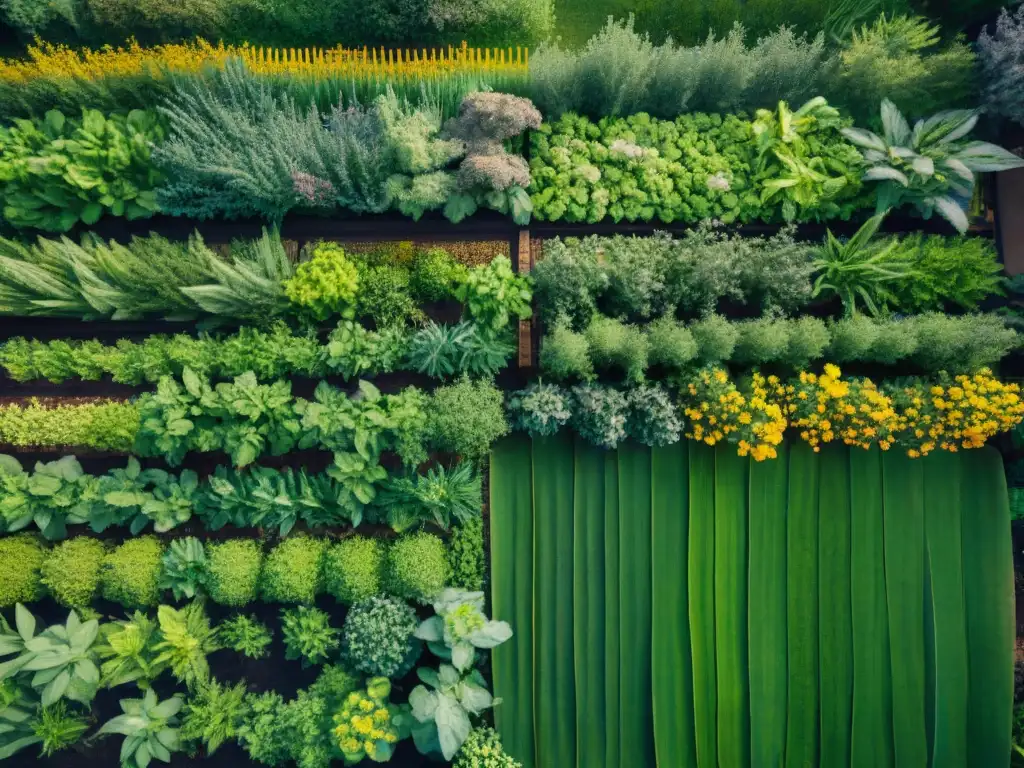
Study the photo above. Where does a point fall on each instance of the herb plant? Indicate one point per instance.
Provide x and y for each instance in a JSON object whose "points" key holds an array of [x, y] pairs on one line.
{"points": [[308, 635], [247, 635], [215, 715], [186, 640], [377, 638], [149, 727]]}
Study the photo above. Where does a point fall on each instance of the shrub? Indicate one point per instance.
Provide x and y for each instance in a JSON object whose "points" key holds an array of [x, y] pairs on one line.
{"points": [[653, 419], [853, 338], [494, 295], [1002, 66], [761, 341], [599, 415], [378, 638], [483, 749], [540, 409], [105, 426], [565, 354], [325, 285], [22, 557], [354, 568], [308, 635], [72, 571], [131, 573], [466, 555], [961, 344], [808, 340], [900, 58], [293, 571], [384, 295], [672, 345], [960, 271], [716, 339], [566, 281], [467, 417], [615, 345], [417, 567], [435, 275], [896, 341], [234, 568]]}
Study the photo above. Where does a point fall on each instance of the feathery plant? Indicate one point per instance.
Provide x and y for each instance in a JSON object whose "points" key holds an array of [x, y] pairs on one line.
{"points": [[187, 639], [861, 270]]}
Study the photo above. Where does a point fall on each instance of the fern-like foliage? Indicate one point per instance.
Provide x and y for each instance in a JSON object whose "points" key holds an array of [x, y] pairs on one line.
{"points": [[187, 639]]}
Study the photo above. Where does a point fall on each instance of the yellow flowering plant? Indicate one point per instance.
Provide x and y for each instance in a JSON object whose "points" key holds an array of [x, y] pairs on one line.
{"points": [[955, 412], [368, 725], [716, 410]]}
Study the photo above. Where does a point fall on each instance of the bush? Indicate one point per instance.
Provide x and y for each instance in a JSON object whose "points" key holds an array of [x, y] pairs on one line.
{"points": [[716, 339], [672, 345], [105, 426], [540, 409], [853, 338], [961, 344], [21, 559], [615, 345], [378, 638], [1002, 66], [234, 567], [466, 555], [761, 341], [293, 571], [384, 295], [565, 354], [948, 271], [903, 59], [653, 418], [417, 568], [435, 275], [72, 571], [325, 285], [896, 341], [354, 569], [130, 574], [566, 281], [467, 417], [808, 340], [599, 415]]}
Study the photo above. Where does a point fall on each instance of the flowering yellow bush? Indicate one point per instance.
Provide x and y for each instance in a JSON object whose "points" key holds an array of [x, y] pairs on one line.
{"points": [[46, 60], [954, 413], [717, 410], [368, 726]]}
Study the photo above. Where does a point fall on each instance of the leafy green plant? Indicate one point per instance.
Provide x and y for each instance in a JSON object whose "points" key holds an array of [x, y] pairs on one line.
{"points": [[617, 346], [389, 723], [354, 569], [293, 571], [186, 640], [930, 167], [483, 748], [795, 169], [22, 569], [540, 409], [459, 627], [128, 651], [247, 635], [130, 574], [672, 345], [59, 171], [378, 640], [72, 571], [442, 707], [57, 728], [384, 296], [466, 555], [435, 275], [46, 498], [18, 712], [185, 568], [960, 271], [441, 496], [494, 294], [416, 568], [215, 715], [353, 350], [325, 285], [234, 568], [149, 727], [466, 418], [308, 635], [861, 271], [61, 658]]}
